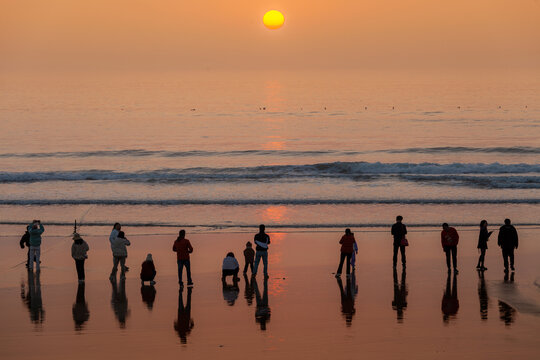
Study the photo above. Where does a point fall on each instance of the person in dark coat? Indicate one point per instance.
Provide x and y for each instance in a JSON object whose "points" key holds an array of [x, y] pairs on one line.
{"points": [[347, 242], [483, 239], [449, 242], [508, 241], [399, 230], [148, 270]]}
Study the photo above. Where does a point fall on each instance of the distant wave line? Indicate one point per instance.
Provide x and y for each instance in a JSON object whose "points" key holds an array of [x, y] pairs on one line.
{"points": [[231, 202], [253, 152], [356, 171]]}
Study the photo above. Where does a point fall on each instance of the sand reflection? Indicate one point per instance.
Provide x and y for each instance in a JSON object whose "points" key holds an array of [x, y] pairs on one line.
{"points": [[119, 302], [32, 299], [262, 312], [483, 296], [80, 311], [148, 294], [347, 297], [400, 295], [450, 301], [184, 323]]}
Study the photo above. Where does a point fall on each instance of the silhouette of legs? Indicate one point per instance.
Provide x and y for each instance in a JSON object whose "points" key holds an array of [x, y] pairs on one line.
{"points": [[481, 259], [258, 256], [79, 264], [401, 248], [451, 250], [508, 254], [342, 258]]}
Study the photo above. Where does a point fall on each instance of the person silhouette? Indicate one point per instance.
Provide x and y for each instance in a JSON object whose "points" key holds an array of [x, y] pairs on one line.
{"points": [[80, 311], [347, 298], [262, 311], [148, 293], [450, 301], [482, 296], [483, 238], [400, 294], [249, 291], [184, 323], [32, 298], [508, 241], [119, 302], [399, 232]]}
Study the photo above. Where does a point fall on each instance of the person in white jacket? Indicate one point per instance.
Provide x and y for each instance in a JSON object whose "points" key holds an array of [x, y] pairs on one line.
{"points": [[230, 267], [119, 250]]}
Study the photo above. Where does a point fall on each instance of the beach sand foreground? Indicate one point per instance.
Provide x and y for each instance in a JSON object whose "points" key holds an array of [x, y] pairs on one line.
{"points": [[302, 310]]}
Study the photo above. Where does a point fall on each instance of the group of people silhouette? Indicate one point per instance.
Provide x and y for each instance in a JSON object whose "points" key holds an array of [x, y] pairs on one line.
{"points": [[507, 240]]}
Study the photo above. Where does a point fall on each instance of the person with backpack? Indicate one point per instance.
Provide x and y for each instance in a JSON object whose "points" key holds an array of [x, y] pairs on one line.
{"points": [[508, 241], [25, 241], [35, 229]]}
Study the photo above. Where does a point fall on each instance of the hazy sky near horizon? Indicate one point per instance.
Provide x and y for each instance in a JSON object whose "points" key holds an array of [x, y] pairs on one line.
{"points": [[229, 35]]}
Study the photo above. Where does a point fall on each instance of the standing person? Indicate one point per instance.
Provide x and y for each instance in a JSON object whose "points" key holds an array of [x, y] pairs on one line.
{"points": [[249, 257], [399, 230], [262, 240], [483, 238], [230, 267], [449, 241], [119, 250], [114, 234], [508, 241], [25, 241], [35, 229], [347, 248], [79, 248], [148, 270], [183, 248]]}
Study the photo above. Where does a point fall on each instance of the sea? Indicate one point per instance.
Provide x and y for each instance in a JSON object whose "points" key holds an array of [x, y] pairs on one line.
{"points": [[298, 151]]}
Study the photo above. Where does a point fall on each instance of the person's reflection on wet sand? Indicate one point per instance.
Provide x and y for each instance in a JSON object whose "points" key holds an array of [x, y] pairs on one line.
{"points": [[400, 295], [347, 298], [148, 293], [184, 323], [507, 313], [450, 301], [32, 298], [262, 312], [230, 292], [482, 296], [119, 302], [80, 311], [249, 291]]}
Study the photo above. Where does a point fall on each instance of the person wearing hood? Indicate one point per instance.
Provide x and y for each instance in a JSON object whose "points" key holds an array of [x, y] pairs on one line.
{"points": [[79, 248], [148, 270]]}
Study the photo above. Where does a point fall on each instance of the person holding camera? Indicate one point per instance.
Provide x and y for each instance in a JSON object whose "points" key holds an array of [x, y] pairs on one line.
{"points": [[35, 229]]}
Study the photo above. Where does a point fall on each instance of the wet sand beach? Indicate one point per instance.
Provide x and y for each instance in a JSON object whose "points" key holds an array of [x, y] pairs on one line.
{"points": [[302, 310]]}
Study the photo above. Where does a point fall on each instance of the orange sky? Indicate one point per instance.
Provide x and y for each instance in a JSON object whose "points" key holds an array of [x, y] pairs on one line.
{"points": [[221, 35]]}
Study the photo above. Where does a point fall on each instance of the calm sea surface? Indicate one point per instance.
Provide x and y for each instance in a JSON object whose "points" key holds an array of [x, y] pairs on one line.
{"points": [[293, 150]]}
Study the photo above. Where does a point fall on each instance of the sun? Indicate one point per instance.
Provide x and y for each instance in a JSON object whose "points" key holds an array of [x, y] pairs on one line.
{"points": [[273, 19]]}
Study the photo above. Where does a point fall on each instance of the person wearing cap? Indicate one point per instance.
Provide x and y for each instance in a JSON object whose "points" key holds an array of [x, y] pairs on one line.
{"points": [[79, 248], [148, 270]]}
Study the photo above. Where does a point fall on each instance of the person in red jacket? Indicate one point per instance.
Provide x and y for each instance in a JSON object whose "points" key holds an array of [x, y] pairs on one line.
{"points": [[347, 248], [148, 270], [183, 248], [449, 241]]}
